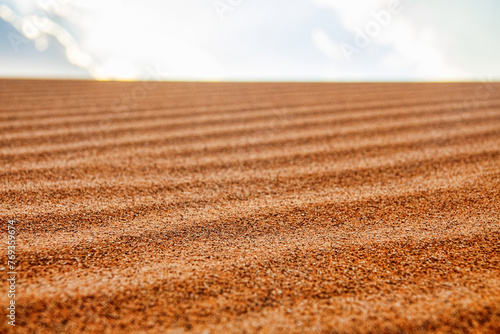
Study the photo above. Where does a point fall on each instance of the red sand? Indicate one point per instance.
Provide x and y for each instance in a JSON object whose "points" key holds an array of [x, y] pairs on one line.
{"points": [[252, 207]]}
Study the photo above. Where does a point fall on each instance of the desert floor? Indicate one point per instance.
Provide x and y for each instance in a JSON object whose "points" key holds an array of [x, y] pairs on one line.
{"points": [[251, 207]]}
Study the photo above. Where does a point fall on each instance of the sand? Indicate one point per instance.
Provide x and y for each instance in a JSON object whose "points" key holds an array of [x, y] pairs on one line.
{"points": [[251, 207]]}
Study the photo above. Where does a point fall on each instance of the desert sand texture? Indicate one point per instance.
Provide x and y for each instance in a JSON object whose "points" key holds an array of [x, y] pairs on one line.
{"points": [[146, 207]]}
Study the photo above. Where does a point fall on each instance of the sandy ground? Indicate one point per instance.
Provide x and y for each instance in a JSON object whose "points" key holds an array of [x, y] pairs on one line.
{"points": [[272, 208]]}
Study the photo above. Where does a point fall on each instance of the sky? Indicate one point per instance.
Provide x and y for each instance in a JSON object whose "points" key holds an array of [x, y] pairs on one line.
{"points": [[251, 40]]}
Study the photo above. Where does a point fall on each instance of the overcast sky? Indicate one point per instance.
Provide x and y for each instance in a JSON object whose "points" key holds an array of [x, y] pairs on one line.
{"points": [[316, 40]]}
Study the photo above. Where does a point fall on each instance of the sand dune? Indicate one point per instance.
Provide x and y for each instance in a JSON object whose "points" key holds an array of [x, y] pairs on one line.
{"points": [[252, 207]]}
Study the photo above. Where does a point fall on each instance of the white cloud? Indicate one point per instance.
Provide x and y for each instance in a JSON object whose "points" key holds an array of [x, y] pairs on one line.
{"points": [[353, 13], [325, 44], [417, 49], [124, 40], [37, 27], [157, 35], [409, 47]]}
